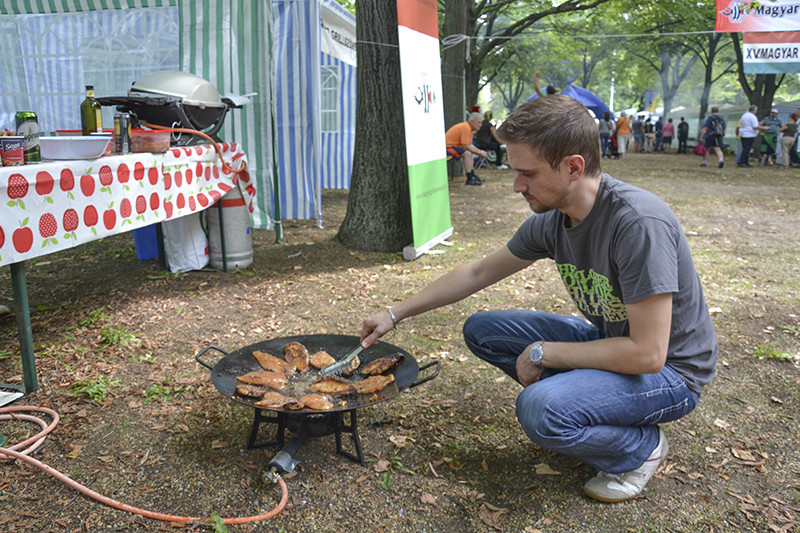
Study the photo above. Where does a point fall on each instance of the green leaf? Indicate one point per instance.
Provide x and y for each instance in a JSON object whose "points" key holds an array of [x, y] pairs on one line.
{"points": [[219, 526]]}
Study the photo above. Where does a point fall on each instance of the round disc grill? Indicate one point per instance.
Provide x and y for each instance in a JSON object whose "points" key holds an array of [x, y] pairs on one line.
{"points": [[309, 423]]}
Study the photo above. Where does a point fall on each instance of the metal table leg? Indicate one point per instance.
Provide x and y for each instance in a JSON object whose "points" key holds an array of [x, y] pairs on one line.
{"points": [[23, 315]]}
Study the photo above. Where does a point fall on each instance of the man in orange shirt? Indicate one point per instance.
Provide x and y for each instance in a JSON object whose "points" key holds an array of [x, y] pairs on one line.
{"points": [[623, 134], [458, 140]]}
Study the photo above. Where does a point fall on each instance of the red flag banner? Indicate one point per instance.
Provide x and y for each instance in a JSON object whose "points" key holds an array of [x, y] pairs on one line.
{"points": [[764, 16]]}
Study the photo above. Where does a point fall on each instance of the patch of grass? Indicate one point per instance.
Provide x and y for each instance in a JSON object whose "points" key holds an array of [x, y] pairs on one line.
{"points": [[96, 390], [768, 351], [163, 393], [116, 336]]}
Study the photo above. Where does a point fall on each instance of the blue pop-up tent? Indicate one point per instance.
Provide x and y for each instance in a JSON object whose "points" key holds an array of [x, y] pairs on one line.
{"points": [[591, 101]]}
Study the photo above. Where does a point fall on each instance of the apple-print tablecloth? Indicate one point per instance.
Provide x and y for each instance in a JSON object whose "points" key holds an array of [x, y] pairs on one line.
{"points": [[52, 206]]}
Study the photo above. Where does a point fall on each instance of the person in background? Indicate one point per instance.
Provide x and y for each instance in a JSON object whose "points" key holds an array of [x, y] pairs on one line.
{"points": [[549, 90], [789, 131], [606, 127], [637, 131], [458, 139], [485, 140], [749, 128], [712, 138], [623, 132], [596, 387], [649, 135], [669, 132], [659, 127], [683, 135], [769, 144]]}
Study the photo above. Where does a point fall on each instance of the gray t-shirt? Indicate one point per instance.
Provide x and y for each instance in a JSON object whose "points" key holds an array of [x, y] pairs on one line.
{"points": [[629, 247]]}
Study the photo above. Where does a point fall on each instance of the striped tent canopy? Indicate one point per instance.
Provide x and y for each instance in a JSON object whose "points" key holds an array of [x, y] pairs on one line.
{"points": [[227, 42], [316, 102]]}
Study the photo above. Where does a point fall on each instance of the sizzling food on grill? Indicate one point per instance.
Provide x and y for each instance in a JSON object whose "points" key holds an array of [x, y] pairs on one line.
{"points": [[252, 391], [380, 365], [275, 400], [333, 386], [270, 362], [296, 354], [373, 384], [264, 377], [316, 402], [321, 359]]}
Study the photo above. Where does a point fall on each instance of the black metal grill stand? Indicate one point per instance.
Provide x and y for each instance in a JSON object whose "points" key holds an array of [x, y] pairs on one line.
{"points": [[304, 426]]}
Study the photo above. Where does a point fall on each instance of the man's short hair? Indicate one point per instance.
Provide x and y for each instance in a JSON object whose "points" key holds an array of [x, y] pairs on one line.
{"points": [[714, 109], [752, 108], [554, 128], [474, 116]]}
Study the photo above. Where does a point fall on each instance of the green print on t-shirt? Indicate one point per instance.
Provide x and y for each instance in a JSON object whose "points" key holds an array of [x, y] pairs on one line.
{"points": [[592, 293]]}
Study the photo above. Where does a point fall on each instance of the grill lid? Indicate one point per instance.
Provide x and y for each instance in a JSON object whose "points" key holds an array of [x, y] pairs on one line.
{"points": [[190, 89]]}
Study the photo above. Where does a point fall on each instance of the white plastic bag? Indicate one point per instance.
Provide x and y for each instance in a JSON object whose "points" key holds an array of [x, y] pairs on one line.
{"points": [[185, 244]]}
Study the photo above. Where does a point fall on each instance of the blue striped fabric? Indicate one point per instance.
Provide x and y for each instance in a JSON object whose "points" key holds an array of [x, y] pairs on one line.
{"points": [[295, 26], [337, 146]]}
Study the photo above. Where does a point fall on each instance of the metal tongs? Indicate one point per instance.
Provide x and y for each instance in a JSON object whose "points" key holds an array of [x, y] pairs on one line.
{"points": [[341, 364]]}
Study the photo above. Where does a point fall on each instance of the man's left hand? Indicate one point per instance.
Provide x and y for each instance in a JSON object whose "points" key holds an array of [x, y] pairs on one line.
{"points": [[526, 372]]}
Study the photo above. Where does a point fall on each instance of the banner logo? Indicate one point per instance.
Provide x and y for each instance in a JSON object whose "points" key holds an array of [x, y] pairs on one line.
{"points": [[735, 11], [425, 97]]}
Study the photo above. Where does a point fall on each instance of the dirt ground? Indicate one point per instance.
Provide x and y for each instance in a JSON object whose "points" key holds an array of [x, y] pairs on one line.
{"points": [[445, 456]]}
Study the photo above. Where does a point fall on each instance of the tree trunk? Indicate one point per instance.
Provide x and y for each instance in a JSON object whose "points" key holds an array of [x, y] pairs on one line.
{"points": [[762, 92], [378, 214], [454, 61]]}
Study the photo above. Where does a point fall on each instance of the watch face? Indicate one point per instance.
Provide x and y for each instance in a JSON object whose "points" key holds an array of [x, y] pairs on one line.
{"points": [[536, 354]]}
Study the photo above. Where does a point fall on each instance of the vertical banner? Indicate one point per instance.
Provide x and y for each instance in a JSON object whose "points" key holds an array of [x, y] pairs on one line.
{"points": [[423, 116], [747, 15]]}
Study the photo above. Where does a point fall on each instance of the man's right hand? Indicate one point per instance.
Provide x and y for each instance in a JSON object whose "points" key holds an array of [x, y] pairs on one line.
{"points": [[375, 327]]}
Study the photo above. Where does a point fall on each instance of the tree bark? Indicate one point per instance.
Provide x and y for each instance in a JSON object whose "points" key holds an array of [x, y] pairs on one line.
{"points": [[378, 214], [454, 62]]}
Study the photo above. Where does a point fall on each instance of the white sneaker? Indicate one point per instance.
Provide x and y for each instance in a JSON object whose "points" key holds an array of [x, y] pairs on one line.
{"points": [[502, 167], [628, 485]]}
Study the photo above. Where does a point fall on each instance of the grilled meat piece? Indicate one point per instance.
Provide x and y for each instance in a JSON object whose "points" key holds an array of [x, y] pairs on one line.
{"points": [[373, 384], [275, 380], [296, 354], [333, 386], [275, 364], [380, 365], [352, 367], [275, 400], [316, 402], [321, 359], [252, 391]]}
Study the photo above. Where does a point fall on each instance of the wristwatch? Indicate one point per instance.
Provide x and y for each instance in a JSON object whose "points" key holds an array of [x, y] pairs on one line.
{"points": [[536, 354]]}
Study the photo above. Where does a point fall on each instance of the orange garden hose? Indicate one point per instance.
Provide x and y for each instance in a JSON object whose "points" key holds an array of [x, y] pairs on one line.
{"points": [[201, 134], [10, 453]]}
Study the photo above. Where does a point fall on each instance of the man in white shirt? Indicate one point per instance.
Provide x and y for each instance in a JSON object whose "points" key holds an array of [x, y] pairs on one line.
{"points": [[748, 130]]}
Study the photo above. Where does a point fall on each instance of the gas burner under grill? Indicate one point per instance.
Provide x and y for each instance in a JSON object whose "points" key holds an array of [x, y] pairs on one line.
{"points": [[303, 427]]}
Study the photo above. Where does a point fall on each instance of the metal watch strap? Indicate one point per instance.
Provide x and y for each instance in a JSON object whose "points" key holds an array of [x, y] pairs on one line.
{"points": [[536, 354]]}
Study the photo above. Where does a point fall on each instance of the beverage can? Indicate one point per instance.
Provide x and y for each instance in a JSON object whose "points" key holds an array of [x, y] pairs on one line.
{"points": [[13, 153], [122, 133], [28, 129]]}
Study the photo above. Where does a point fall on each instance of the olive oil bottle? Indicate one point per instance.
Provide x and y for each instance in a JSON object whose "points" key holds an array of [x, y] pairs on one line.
{"points": [[91, 113]]}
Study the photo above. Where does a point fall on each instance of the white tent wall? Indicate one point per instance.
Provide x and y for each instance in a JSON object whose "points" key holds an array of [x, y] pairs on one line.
{"points": [[227, 42], [313, 152]]}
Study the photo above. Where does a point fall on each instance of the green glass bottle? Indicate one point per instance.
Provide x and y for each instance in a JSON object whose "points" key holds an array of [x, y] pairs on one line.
{"points": [[91, 113]]}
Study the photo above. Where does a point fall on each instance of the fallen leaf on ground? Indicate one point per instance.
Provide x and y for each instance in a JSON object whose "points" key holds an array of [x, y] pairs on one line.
{"points": [[544, 469], [401, 441], [428, 499], [382, 466], [492, 516], [219, 443], [75, 452]]}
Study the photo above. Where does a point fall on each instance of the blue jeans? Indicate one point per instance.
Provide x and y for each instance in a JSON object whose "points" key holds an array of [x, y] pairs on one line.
{"points": [[605, 419], [604, 139]]}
